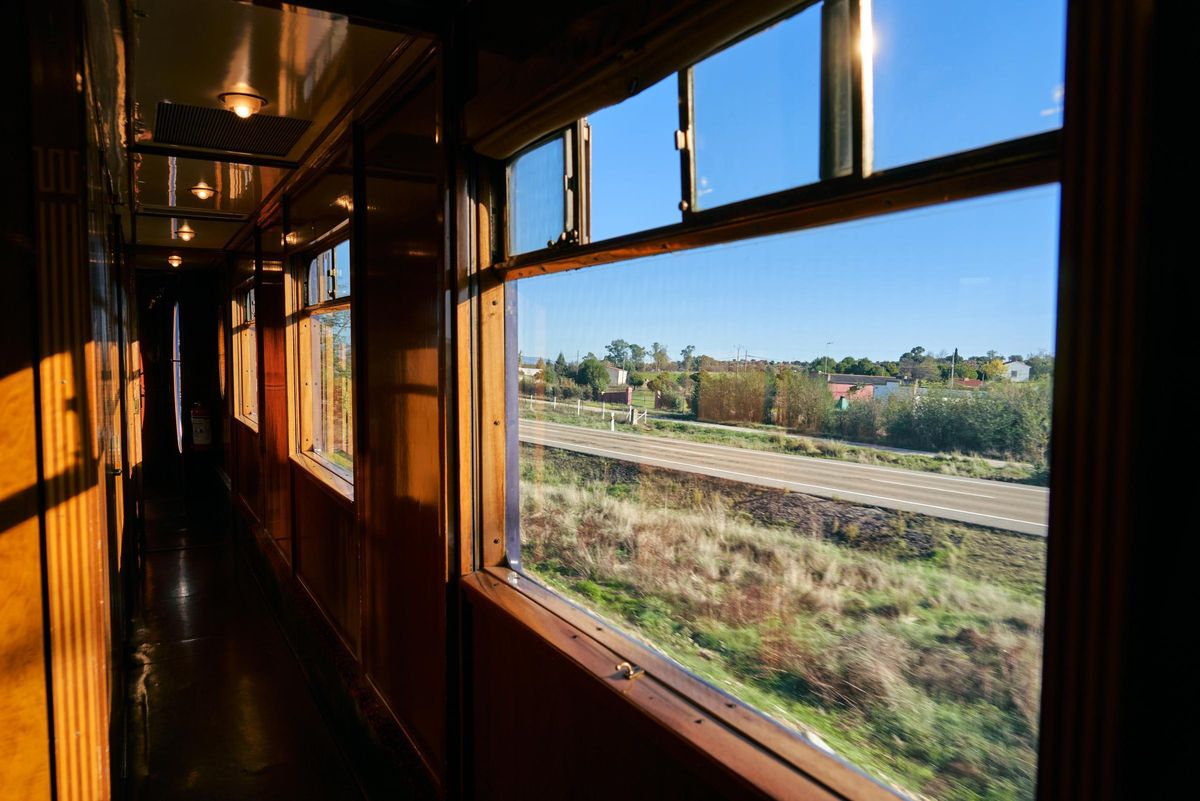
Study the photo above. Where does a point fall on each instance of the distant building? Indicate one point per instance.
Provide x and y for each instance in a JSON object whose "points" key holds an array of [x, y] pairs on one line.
{"points": [[856, 387], [968, 383], [1016, 371], [529, 372], [616, 376]]}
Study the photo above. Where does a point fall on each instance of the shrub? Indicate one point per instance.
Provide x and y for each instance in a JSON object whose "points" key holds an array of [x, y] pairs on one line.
{"points": [[732, 397], [802, 402]]}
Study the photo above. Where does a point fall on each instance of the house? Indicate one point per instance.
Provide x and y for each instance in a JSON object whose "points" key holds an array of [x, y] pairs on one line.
{"points": [[1016, 371], [858, 387], [616, 375]]}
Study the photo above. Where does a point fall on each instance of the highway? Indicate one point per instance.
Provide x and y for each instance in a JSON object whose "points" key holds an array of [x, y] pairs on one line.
{"points": [[999, 504]]}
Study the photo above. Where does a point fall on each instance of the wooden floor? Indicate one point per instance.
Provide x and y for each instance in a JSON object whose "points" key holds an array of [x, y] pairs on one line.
{"points": [[218, 704]]}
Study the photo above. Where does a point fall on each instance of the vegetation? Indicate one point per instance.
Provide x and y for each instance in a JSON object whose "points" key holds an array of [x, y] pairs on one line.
{"points": [[951, 464], [1004, 420], [909, 645]]}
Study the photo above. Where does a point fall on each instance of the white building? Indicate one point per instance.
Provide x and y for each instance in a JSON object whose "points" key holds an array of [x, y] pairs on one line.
{"points": [[616, 376], [1016, 371]]}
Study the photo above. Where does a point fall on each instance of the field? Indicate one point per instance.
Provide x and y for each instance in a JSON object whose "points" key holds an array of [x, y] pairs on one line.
{"points": [[909, 645]]}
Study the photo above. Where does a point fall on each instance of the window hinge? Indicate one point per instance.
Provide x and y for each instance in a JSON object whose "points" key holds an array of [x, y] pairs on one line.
{"points": [[681, 140]]}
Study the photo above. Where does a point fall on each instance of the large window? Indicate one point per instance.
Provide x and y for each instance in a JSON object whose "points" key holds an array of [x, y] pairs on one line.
{"points": [[245, 352], [811, 467], [325, 363]]}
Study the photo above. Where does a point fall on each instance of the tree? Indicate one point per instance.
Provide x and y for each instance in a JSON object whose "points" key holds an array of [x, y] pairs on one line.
{"points": [[993, 368], [916, 354], [617, 352], [638, 355], [661, 360], [1041, 365], [560, 364], [685, 360], [592, 374]]}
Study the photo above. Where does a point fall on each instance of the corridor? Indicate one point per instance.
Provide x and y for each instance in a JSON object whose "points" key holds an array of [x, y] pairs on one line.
{"points": [[218, 705]]}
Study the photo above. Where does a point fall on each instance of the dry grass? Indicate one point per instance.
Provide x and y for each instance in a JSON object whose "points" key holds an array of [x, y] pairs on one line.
{"points": [[928, 677]]}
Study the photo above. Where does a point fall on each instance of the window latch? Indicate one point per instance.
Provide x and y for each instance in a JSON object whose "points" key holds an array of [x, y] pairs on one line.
{"points": [[570, 237], [630, 672]]}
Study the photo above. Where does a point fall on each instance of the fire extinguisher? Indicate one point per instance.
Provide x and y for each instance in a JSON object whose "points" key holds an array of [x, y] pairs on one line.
{"points": [[201, 427]]}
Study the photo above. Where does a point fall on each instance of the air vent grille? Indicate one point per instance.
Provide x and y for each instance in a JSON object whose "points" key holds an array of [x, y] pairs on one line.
{"points": [[218, 129]]}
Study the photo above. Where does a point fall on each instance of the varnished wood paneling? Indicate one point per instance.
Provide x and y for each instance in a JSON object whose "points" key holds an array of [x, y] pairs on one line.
{"points": [[75, 423], [24, 724], [327, 553], [1119, 585], [399, 301], [24, 714], [546, 711], [249, 469], [273, 416]]}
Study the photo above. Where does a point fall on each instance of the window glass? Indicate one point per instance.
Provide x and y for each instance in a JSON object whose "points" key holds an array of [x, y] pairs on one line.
{"points": [[332, 407], [537, 197], [812, 477], [341, 270], [177, 378], [248, 339], [757, 110], [632, 144], [317, 280], [950, 76]]}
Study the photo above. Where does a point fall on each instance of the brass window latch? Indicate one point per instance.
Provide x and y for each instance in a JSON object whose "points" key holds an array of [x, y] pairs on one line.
{"points": [[630, 672]]}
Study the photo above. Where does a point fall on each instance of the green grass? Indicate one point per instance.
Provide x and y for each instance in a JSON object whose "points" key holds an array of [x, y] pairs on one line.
{"points": [[909, 646], [778, 441]]}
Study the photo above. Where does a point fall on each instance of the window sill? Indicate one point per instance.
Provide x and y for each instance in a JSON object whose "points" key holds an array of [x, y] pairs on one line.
{"points": [[247, 422], [765, 753], [337, 486]]}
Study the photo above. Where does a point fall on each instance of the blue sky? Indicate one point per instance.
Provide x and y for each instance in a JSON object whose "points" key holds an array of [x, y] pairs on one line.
{"points": [[977, 275]]}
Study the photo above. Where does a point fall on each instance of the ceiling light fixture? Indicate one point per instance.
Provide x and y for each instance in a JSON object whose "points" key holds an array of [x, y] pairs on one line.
{"points": [[243, 104], [203, 190], [174, 261], [185, 232], [291, 238]]}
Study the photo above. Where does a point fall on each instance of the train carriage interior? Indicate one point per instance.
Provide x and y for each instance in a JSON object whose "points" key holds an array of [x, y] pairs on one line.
{"points": [[700, 399]]}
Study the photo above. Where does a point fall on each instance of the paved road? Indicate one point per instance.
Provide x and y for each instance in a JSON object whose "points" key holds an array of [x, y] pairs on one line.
{"points": [[1014, 507]]}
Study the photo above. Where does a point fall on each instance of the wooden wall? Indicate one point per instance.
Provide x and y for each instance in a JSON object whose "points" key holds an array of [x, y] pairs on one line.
{"points": [[373, 566]]}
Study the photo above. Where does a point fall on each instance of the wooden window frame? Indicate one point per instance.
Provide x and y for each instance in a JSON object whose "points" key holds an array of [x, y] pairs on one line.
{"points": [[240, 335], [487, 369], [299, 357]]}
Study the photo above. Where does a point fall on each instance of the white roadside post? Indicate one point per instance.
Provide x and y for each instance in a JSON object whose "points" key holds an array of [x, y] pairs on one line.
{"points": [[612, 421], [578, 406]]}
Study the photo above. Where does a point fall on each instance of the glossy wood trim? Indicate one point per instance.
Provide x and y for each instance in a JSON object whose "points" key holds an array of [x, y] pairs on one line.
{"points": [[773, 737], [1003, 167], [491, 379], [341, 489], [724, 745]]}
